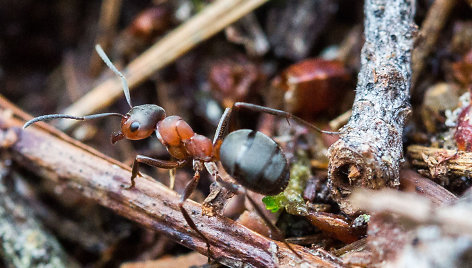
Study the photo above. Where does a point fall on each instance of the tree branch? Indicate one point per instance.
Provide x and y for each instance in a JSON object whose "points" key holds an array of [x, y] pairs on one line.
{"points": [[370, 149], [56, 156]]}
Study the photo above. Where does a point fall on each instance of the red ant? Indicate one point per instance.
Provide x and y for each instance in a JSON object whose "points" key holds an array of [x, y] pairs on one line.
{"points": [[253, 159]]}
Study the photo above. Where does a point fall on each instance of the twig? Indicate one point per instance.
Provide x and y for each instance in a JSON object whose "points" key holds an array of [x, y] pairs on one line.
{"points": [[56, 156], [441, 162], [370, 149], [248, 32], [453, 219], [411, 181], [428, 35], [87, 236], [206, 23], [386, 236], [340, 121], [430, 236]]}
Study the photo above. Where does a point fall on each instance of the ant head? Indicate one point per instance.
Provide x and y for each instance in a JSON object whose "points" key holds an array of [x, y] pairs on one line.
{"points": [[140, 122]]}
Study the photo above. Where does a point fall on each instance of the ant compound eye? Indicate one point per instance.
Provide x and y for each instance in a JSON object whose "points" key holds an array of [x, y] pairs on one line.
{"points": [[134, 126]]}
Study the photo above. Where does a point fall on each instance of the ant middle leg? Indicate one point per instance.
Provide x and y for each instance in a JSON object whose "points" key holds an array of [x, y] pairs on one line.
{"points": [[189, 189], [152, 162]]}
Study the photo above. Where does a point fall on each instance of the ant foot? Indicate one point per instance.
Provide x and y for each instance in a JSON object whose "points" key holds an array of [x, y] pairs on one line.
{"points": [[129, 187]]}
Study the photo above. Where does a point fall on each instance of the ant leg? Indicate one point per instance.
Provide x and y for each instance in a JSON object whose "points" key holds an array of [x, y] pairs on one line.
{"points": [[238, 189], [172, 178], [287, 115], [222, 126], [187, 192], [152, 162], [272, 227]]}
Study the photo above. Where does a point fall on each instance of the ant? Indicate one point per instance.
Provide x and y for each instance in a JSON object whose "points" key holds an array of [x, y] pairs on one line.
{"points": [[253, 159]]}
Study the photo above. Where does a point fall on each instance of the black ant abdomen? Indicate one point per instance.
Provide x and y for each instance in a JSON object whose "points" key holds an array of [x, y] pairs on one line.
{"points": [[255, 161]]}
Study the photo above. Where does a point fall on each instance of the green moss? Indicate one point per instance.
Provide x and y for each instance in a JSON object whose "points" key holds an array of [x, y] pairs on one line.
{"points": [[292, 197]]}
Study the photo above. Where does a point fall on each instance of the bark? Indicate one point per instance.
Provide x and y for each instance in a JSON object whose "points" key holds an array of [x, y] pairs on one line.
{"points": [[57, 157], [369, 151]]}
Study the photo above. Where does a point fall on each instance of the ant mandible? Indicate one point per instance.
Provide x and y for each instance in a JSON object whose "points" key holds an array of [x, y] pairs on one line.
{"points": [[253, 159]]}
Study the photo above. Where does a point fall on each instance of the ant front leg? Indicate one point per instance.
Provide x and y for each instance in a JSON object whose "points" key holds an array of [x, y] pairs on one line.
{"points": [[152, 162], [286, 115]]}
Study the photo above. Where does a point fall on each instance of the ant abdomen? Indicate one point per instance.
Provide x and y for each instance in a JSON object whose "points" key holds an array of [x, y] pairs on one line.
{"points": [[255, 161]]}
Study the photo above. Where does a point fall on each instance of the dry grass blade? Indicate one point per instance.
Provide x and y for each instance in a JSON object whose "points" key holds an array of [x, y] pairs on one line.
{"points": [[206, 23]]}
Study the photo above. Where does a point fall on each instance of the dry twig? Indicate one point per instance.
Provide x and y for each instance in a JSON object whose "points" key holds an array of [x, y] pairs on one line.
{"points": [[441, 162], [206, 23], [415, 208], [387, 236], [370, 149], [56, 156], [411, 181]]}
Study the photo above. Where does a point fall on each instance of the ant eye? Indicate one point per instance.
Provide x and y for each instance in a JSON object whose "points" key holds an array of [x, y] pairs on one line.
{"points": [[134, 126]]}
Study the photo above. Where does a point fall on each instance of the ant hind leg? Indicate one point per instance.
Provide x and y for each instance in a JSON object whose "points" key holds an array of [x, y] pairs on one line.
{"points": [[272, 227], [238, 189], [280, 113]]}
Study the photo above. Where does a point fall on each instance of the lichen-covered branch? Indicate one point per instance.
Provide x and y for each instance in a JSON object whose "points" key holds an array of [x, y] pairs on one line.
{"points": [[58, 157], [369, 151]]}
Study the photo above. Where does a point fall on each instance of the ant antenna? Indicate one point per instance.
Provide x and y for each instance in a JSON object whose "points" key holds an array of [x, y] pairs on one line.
{"points": [[56, 116], [110, 65]]}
